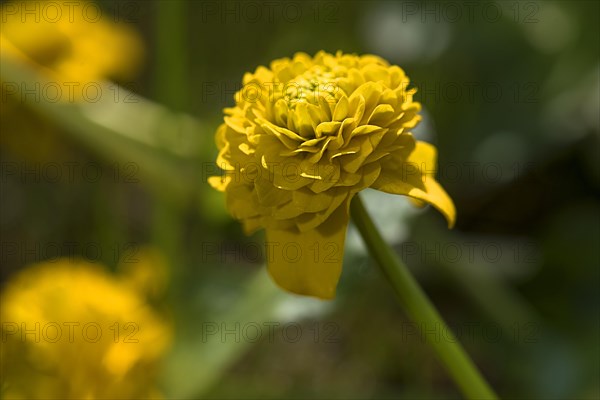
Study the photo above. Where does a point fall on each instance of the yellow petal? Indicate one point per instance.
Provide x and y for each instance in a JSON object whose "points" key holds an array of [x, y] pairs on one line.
{"points": [[302, 120], [424, 155], [341, 109], [238, 198], [417, 181], [381, 114], [312, 202], [306, 222], [435, 195], [328, 128], [375, 72], [308, 263], [219, 182], [270, 196], [237, 124]]}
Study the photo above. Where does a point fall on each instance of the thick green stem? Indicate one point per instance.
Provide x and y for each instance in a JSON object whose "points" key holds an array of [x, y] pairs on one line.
{"points": [[421, 310]]}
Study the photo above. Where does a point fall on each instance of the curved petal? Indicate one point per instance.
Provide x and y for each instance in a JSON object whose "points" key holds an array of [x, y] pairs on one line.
{"points": [[424, 155], [415, 178], [308, 263], [219, 182]]}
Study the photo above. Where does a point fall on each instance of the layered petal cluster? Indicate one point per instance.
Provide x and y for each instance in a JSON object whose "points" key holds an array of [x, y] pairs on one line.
{"points": [[70, 330], [305, 135]]}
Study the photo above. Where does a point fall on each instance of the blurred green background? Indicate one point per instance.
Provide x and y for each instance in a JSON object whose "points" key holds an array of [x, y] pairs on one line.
{"points": [[510, 94]]}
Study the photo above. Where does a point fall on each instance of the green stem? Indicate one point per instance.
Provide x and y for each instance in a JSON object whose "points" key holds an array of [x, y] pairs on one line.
{"points": [[421, 310]]}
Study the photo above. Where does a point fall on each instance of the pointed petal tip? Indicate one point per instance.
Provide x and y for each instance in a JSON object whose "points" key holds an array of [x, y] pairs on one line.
{"points": [[451, 222], [218, 182]]}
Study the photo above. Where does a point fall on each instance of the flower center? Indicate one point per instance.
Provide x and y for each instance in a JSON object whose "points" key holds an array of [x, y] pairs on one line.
{"points": [[317, 82]]}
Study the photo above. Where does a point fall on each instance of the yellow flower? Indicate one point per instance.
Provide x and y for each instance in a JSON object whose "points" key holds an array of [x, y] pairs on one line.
{"points": [[304, 137], [67, 41], [70, 330], [75, 49]]}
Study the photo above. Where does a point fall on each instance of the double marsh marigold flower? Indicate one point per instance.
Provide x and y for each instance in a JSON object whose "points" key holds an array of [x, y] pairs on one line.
{"points": [[306, 135], [70, 330]]}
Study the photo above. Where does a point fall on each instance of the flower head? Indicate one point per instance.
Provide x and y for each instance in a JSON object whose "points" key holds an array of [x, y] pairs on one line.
{"points": [[306, 135], [70, 330]]}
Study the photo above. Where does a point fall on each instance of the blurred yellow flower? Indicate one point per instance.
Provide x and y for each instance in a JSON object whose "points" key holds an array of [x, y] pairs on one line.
{"points": [[70, 330], [67, 43], [75, 49], [307, 134]]}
